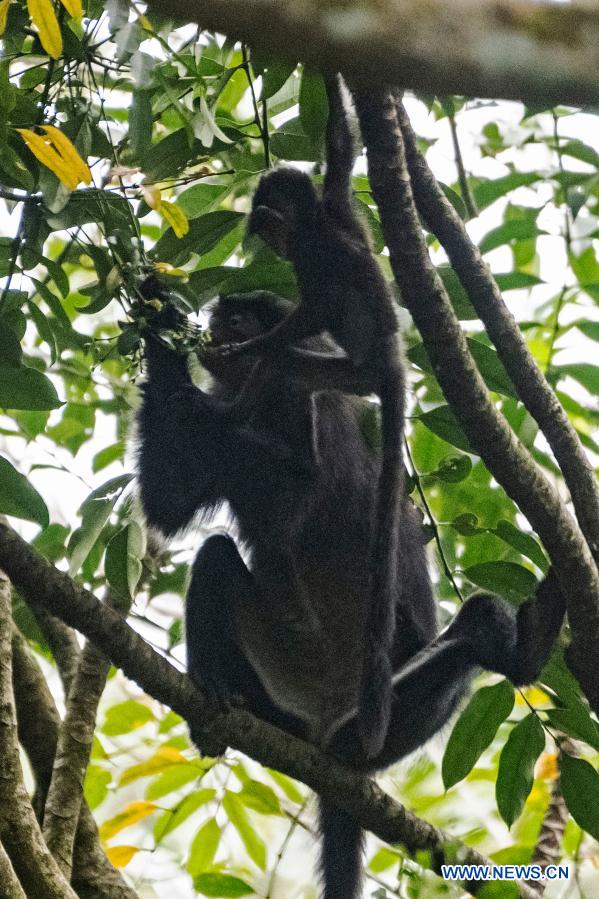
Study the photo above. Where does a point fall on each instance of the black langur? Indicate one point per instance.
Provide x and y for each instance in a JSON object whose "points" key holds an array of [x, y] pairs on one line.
{"points": [[284, 630], [343, 291]]}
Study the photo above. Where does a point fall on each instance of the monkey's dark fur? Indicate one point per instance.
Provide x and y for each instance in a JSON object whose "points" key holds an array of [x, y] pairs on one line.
{"points": [[344, 292], [285, 631]]}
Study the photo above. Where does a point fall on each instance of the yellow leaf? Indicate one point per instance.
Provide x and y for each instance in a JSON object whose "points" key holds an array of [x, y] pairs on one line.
{"points": [[131, 814], [547, 766], [48, 156], [4, 4], [44, 18], [74, 8], [532, 696], [165, 268], [175, 217], [145, 23], [69, 153], [160, 761], [120, 856]]}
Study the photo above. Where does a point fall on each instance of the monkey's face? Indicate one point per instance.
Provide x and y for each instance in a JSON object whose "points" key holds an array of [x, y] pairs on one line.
{"points": [[235, 319], [231, 324]]}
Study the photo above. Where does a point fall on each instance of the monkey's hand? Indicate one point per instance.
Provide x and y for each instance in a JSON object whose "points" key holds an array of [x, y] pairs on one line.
{"points": [[227, 352]]}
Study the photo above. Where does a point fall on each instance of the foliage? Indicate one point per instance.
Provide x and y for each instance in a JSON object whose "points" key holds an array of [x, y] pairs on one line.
{"points": [[176, 126]]}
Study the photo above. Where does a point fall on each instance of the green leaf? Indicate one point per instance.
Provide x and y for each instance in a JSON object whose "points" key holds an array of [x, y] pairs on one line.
{"points": [[291, 143], [51, 542], [173, 818], [96, 513], [586, 269], [109, 488], [97, 782], [224, 885], [460, 300], [274, 76], [122, 564], [580, 788], [442, 422], [589, 329], [204, 233], [585, 373], [108, 455], [506, 578], [487, 361], [260, 798], [475, 729], [467, 524], [140, 123], [452, 469], [26, 388], [383, 859], [172, 779], [254, 844], [491, 368], [486, 192], [125, 717], [577, 722], [314, 105], [203, 848], [516, 767], [287, 785], [18, 497], [514, 230], [44, 330], [579, 150], [523, 542], [10, 347], [202, 198], [517, 281]]}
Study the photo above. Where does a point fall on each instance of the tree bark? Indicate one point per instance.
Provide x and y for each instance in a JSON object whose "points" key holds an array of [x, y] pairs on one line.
{"points": [[488, 432], [19, 830], [538, 52]]}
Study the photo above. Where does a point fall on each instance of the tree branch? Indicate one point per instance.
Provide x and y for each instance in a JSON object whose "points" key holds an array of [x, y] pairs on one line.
{"points": [[11, 888], [75, 739], [38, 720], [538, 52], [359, 796], [442, 220], [62, 642], [19, 830], [488, 432]]}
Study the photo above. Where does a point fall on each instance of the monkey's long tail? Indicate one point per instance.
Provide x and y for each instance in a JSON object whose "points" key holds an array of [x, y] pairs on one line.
{"points": [[376, 686], [341, 853]]}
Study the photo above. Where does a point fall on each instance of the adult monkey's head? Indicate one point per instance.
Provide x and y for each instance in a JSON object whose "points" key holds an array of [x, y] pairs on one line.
{"points": [[285, 201]]}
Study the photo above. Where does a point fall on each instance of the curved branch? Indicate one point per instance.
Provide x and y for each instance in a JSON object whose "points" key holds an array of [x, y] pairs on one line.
{"points": [[38, 720], [442, 220], [11, 887], [373, 809], [530, 50], [62, 642], [19, 830], [75, 739], [488, 432]]}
